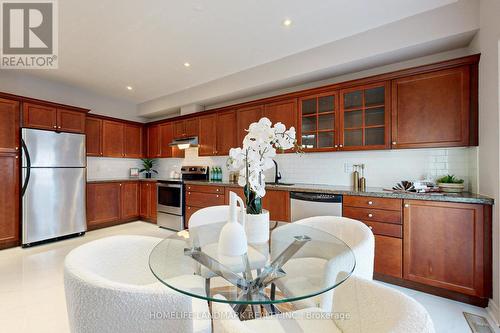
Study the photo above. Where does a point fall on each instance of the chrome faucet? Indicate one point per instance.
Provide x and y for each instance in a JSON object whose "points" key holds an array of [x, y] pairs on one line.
{"points": [[277, 174]]}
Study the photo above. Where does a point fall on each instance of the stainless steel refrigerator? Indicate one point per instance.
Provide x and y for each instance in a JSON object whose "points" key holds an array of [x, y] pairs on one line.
{"points": [[53, 191]]}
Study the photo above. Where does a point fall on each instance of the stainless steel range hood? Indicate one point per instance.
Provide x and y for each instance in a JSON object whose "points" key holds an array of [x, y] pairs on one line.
{"points": [[185, 143]]}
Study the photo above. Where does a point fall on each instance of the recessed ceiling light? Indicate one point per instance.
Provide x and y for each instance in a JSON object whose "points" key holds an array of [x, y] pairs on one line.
{"points": [[287, 22], [187, 64], [130, 88]]}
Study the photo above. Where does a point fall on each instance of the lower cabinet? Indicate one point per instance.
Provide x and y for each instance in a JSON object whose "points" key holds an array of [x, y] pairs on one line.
{"points": [[448, 245], [9, 201], [110, 203], [276, 202], [103, 204], [383, 217], [148, 201], [201, 196]]}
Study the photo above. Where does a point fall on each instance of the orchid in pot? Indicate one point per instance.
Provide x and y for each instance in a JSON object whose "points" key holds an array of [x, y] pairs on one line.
{"points": [[255, 157]]}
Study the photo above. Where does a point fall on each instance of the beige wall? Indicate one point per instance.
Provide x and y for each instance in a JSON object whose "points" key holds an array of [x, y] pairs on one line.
{"points": [[487, 42]]}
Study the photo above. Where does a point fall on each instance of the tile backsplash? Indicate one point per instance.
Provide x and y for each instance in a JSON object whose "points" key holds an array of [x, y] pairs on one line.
{"points": [[383, 168], [110, 168]]}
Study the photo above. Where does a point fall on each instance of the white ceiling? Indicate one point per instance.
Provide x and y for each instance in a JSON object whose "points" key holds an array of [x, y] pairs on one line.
{"points": [[107, 45]]}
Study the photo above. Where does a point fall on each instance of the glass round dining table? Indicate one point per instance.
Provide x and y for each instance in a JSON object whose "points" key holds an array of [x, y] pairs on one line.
{"points": [[302, 261]]}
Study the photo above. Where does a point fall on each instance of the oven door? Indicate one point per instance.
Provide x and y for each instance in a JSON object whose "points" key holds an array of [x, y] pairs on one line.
{"points": [[170, 198]]}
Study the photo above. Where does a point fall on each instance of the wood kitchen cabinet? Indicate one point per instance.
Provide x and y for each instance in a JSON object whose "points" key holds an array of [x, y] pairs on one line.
{"points": [[276, 202], [432, 109], [103, 204], [201, 196], [9, 126], [121, 139], [448, 245], [244, 117], [186, 128], [53, 118], [365, 117], [318, 125], [129, 200], [166, 137], [93, 137], [112, 138], [284, 112], [9, 200], [70, 121], [154, 141], [226, 132], [384, 217], [148, 201], [132, 141], [208, 135]]}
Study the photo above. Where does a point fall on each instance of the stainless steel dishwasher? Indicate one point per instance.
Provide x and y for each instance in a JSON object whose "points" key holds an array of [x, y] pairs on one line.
{"points": [[304, 204]]}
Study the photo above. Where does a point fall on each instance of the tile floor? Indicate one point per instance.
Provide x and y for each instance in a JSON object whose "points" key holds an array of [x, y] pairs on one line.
{"points": [[32, 292]]}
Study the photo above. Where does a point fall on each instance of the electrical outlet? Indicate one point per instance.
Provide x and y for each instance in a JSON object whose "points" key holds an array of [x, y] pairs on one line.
{"points": [[347, 167]]}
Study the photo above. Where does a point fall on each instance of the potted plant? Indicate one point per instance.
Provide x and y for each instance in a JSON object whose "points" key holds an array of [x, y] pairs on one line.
{"points": [[256, 156], [147, 167], [451, 184]]}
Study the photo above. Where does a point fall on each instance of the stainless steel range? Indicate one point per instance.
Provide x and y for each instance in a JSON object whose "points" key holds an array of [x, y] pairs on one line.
{"points": [[171, 197]]}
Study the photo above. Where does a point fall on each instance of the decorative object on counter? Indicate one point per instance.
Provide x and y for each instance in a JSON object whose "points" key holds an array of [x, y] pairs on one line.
{"points": [[404, 186], [134, 172], [147, 167], [174, 174], [259, 148], [355, 178], [358, 183], [233, 176], [450, 184], [233, 238]]}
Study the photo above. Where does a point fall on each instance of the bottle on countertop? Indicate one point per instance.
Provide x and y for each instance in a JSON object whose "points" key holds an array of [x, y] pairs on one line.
{"points": [[362, 180], [355, 178]]}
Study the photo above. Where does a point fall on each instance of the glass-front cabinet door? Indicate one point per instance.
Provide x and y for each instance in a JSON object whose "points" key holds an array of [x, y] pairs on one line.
{"points": [[319, 121], [364, 117]]}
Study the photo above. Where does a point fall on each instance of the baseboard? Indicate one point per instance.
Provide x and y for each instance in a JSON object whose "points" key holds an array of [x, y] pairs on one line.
{"points": [[493, 311]]}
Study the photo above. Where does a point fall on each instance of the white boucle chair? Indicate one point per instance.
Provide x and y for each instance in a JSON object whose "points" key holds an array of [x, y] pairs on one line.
{"points": [[209, 245], [361, 306], [310, 271], [110, 288]]}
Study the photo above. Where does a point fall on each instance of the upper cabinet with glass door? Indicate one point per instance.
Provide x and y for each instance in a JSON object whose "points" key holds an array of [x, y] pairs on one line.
{"points": [[318, 121], [365, 117]]}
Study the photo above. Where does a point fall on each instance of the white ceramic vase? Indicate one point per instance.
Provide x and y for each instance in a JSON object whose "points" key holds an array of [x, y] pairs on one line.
{"points": [[257, 227]]}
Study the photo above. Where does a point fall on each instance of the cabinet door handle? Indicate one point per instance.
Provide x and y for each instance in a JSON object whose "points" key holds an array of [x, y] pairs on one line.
{"points": [[189, 193], [371, 228], [120, 184], [407, 205], [58, 126], [336, 146], [17, 157], [55, 126], [370, 202], [189, 208], [393, 142], [341, 146], [370, 215], [217, 190], [17, 148], [217, 195]]}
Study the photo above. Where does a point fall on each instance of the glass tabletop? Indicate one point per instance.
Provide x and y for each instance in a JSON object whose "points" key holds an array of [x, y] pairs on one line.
{"points": [[294, 255]]}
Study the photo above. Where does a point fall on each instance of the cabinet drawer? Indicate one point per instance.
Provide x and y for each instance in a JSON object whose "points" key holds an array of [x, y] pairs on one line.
{"points": [[198, 199], [372, 202], [205, 189], [367, 214], [389, 256], [385, 229]]}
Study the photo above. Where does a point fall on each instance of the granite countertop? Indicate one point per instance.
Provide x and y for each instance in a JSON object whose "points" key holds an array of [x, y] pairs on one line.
{"points": [[117, 180], [464, 197]]}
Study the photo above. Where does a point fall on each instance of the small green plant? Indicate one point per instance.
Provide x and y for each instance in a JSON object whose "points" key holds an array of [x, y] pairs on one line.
{"points": [[147, 166], [450, 179]]}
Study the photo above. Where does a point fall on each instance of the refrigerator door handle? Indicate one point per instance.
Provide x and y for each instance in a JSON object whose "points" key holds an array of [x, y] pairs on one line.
{"points": [[28, 167]]}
